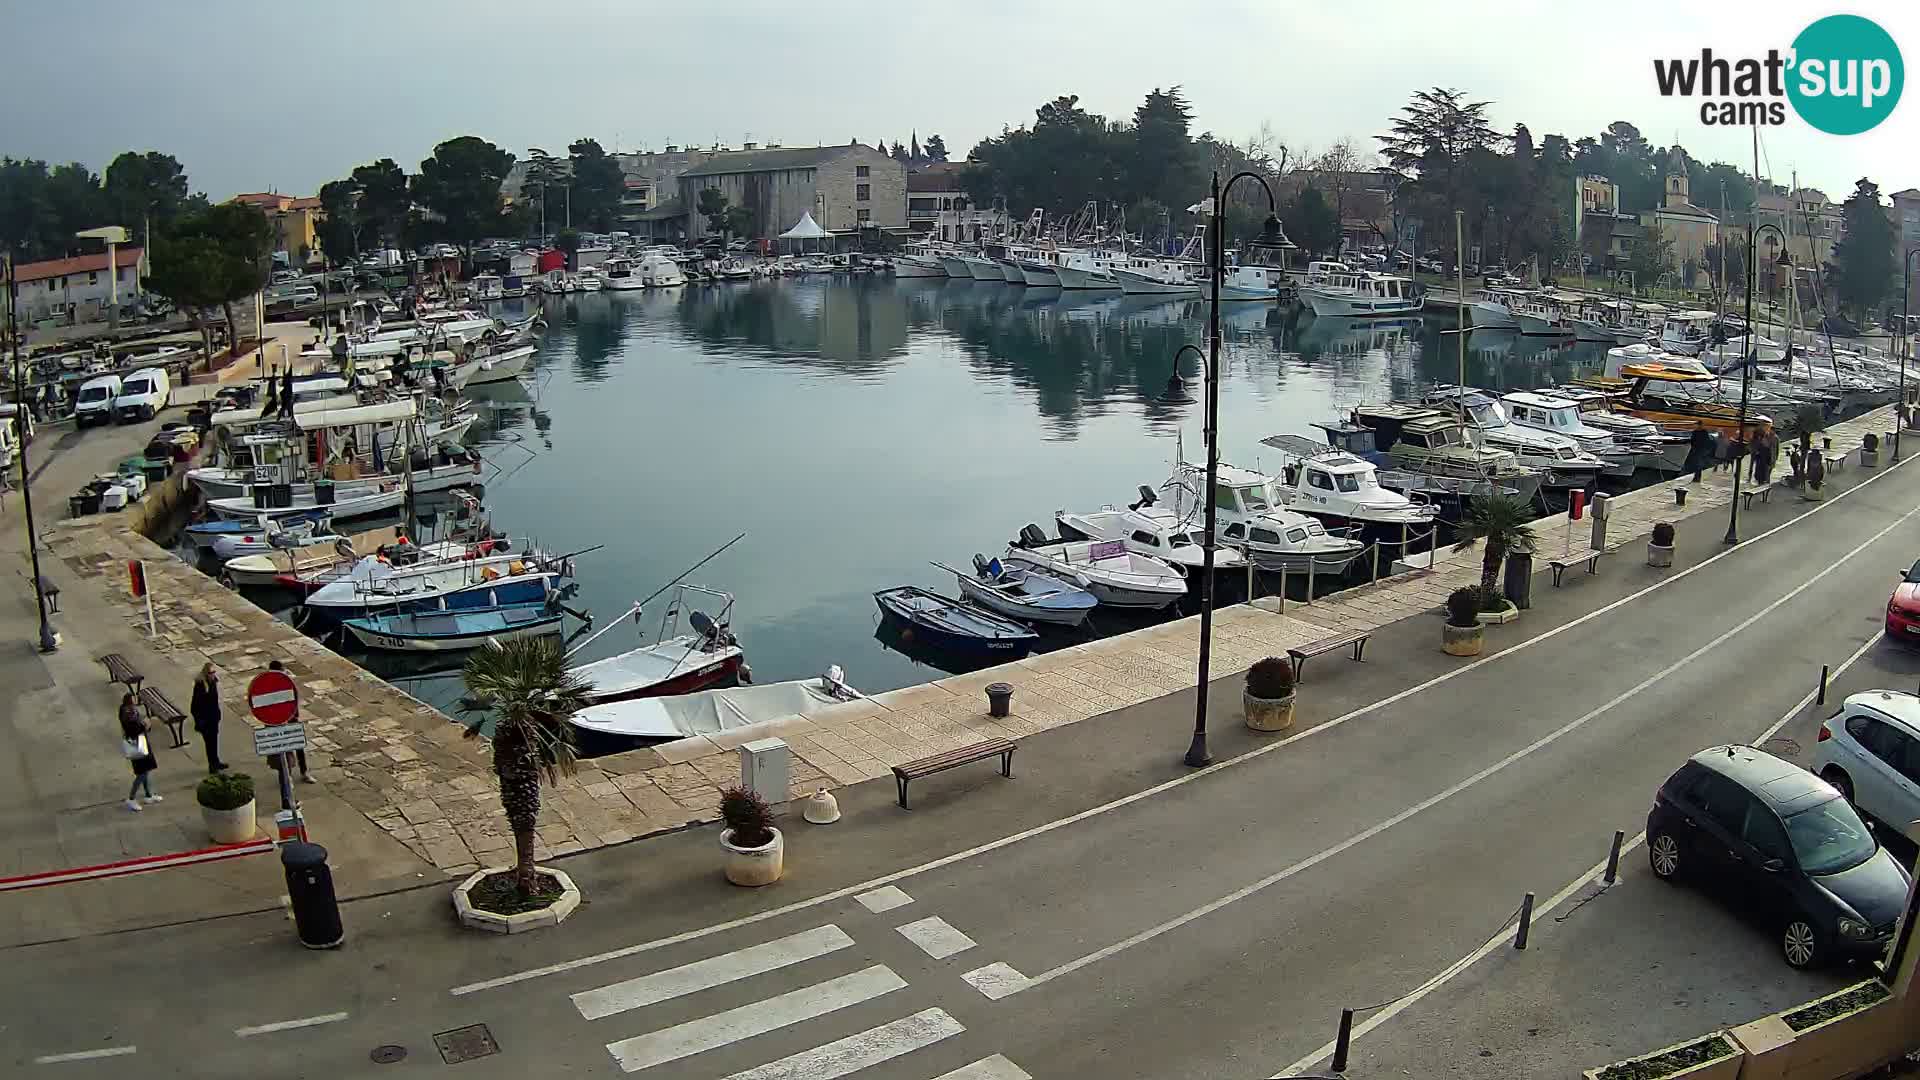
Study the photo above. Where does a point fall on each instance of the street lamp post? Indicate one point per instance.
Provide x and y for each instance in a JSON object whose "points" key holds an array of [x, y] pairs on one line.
{"points": [[1906, 345], [1749, 355], [49, 641], [1197, 755]]}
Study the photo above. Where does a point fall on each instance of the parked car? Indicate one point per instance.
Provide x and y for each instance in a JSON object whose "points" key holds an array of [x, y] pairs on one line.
{"points": [[1870, 752], [1903, 607], [1781, 842]]}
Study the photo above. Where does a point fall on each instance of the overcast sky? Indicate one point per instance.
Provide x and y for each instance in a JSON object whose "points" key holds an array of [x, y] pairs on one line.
{"points": [[253, 96]]}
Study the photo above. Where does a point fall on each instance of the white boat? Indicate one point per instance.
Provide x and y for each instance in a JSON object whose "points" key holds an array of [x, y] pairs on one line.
{"points": [[1010, 272], [588, 279], [620, 275], [1248, 283], [657, 271], [1086, 270], [501, 367], [1036, 267], [708, 712], [983, 268], [1560, 460], [487, 287], [1115, 576], [920, 260], [1544, 315], [955, 265], [1687, 332], [1159, 277], [386, 495], [275, 537], [1561, 416], [557, 282], [1343, 490], [377, 584], [1361, 294], [1025, 594], [1494, 311], [1149, 530], [1249, 518], [673, 663], [279, 567]]}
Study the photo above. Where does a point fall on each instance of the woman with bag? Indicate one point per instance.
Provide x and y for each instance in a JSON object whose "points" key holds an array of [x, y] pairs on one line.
{"points": [[133, 744]]}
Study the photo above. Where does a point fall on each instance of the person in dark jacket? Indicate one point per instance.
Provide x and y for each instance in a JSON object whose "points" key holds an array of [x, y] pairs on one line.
{"points": [[206, 715], [1699, 450], [133, 737]]}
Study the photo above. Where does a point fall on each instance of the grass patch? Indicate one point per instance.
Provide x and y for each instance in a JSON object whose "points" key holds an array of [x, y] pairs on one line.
{"points": [[1673, 1061], [497, 894], [1857, 998]]}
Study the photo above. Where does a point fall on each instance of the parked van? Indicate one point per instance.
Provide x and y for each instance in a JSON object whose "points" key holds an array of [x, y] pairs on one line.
{"points": [[94, 403], [144, 394], [16, 430]]}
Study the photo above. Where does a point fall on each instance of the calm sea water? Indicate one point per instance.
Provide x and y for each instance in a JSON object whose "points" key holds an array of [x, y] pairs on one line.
{"points": [[856, 430]]}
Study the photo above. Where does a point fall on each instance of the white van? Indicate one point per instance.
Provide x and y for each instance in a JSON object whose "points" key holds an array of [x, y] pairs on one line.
{"points": [[144, 394], [16, 430], [94, 403]]}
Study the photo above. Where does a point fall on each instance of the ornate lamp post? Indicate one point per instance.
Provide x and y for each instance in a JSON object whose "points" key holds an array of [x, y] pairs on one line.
{"points": [[1749, 355]]}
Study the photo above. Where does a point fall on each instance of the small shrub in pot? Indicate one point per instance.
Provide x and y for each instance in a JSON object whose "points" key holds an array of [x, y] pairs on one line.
{"points": [[1268, 699], [1663, 533], [756, 852], [747, 816], [1463, 606], [1660, 545], [226, 807], [1463, 635]]}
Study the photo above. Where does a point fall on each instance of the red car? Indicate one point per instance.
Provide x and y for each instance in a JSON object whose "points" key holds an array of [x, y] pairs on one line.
{"points": [[1903, 608]]}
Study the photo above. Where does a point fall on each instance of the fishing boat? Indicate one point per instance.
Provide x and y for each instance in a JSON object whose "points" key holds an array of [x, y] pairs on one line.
{"points": [[1687, 332], [1344, 491], [386, 495], [624, 725], [984, 268], [1248, 283], [1115, 576], [705, 656], [1424, 441], [1361, 294], [1028, 595], [483, 575], [453, 631], [1148, 530], [1544, 315], [1562, 464], [1159, 277], [1494, 311], [944, 623], [955, 264], [1249, 518], [203, 534], [502, 367]]}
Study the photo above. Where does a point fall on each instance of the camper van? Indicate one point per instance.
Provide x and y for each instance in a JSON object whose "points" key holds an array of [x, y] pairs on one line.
{"points": [[143, 395], [94, 403]]}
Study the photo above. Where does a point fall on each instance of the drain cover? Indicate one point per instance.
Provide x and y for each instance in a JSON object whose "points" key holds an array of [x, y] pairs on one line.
{"points": [[388, 1054], [465, 1044]]}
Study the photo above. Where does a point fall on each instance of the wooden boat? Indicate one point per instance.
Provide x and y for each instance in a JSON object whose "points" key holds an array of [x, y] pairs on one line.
{"points": [[453, 631], [1027, 595], [945, 623]]}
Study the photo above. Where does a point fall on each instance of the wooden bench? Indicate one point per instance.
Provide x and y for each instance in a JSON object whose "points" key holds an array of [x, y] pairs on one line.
{"points": [[1836, 460], [1300, 653], [953, 759], [1588, 555], [1763, 492], [159, 708], [121, 671]]}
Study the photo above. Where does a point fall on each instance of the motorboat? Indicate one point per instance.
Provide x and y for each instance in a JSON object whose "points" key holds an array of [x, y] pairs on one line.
{"points": [[1115, 576], [387, 494], [1560, 460], [1431, 442], [502, 366], [282, 566], [620, 275], [705, 656], [486, 288], [1248, 283], [456, 630], [1664, 451], [202, 534], [1027, 595], [1087, 270], [943, 623], [1544, 314], [382, 583], [587, 279], [1561, 416], [626, 724], [274, 537], [1361, 294], [657, 271], [1343, 491], [1494, 311], [1158, 277], [1149, 530], [1675, 392], [1687, 332], [1602, 321], [556, 282], [1250, 519], [919, 261]]}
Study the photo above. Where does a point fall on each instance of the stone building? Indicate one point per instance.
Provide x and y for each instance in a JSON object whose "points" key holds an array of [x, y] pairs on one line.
{"points": [[79, 289], [1688, 227], [846, 188]]}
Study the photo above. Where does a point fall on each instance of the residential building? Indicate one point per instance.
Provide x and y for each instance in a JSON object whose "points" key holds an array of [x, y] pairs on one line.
{"points": [[1686, 226], [1814, 222], [939, 207], [295, 221], [845, 188], [1906, 231], [1599, 195], [78, 289]]}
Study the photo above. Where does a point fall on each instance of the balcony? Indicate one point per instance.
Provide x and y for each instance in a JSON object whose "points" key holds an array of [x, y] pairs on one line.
{"points": [[922, 215]]}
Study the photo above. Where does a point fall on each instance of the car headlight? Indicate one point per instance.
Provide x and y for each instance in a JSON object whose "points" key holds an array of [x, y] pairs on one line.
{"points": [[1855, 929]]}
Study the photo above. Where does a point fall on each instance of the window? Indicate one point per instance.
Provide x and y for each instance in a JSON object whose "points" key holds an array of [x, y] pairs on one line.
{"points": [[1764, 832], [1297, 535], [862, 170], [1141, 536], [1829, 838], [1236, 532], [863, 215], [1316, 478], [863, 193], [1348, 482], [1719, 801], [93, 277], [1223, 497], [1265, 536]]}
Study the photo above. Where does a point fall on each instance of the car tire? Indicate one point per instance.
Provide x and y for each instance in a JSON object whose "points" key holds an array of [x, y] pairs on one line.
{"points": [[1842, 783], [1666, 856], [1802, 944]]}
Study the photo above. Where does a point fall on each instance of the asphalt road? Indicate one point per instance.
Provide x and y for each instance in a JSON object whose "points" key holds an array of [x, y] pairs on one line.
{"points": [[1181, 924]]}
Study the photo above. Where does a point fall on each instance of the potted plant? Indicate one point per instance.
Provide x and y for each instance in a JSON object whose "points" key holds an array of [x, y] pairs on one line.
{"points": [[1463, 634], [1500, 522], [1869, 451], [1660, 546], [755, 849], [1269, 694], [1816, 478], [226, 805], [527, 690], [1709, 1057]]}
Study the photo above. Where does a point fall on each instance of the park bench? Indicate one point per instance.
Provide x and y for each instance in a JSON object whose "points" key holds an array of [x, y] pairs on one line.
{"points": [[953, 759], [1836, 460], [1300, 653], [159, 708], [1763, 492], [121, 671], [1588, 555]]}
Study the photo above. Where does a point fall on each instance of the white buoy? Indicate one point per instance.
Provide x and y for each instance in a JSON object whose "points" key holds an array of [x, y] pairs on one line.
{"points": [[822, 808]]}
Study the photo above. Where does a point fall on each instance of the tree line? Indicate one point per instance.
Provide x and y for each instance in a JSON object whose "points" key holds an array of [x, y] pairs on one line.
{"points": [[42, 206]]}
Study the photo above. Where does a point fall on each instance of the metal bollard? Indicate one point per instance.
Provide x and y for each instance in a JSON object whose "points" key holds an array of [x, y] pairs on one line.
{"points": [[1376, 563], [1342, 1041], [1310, 563], [1613, 857], [1526, 922], [1821, 699]]}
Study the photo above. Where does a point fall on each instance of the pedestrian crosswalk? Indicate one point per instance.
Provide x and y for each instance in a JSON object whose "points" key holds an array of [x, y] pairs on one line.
{"points": [[803, 1008]]}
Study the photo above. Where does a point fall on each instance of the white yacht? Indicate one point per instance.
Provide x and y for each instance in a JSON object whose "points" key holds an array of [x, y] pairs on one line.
{"points": [[1361, 294], [1687, 332], [1148, 530], [657, 271], [1560, 459], [1343, 490], [620, 275], [1250, 519]]}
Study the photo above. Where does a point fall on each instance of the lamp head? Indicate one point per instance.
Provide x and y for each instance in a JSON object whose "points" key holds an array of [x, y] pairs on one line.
{"points": [[1176, 391]]}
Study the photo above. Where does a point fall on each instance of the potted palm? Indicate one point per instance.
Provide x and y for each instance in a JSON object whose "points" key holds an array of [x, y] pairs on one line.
{"points": [[226, 805], [1500, 521], [1660, 545], [756, 852], [1463, 635], [527, 692], [1269, 694], [1869, 451]]}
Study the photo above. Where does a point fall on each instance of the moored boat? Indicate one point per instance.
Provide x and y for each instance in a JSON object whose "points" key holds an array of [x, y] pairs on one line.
{"points": [[453, 631], [1024, 594], [944, 623]]}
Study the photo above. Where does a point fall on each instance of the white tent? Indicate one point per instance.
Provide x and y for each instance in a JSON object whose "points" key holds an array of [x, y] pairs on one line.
{"points": [[807, 229]]}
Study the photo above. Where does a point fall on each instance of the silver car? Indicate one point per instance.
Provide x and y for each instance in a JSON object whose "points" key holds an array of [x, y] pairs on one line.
{"points": [[1870, 750]]}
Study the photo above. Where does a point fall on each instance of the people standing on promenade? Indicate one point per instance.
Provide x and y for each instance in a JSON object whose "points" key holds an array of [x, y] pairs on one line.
{"points": [[133, 746], [206, 715], [1699, 450]]}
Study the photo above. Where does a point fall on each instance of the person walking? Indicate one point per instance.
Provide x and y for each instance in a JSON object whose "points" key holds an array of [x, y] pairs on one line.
{"points": [[206, 715], [1699, 450], [133, 745], [1765, 446]]}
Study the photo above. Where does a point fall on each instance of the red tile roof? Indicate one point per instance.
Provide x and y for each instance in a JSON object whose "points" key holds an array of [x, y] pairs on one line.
{"points": [[79, 264]]}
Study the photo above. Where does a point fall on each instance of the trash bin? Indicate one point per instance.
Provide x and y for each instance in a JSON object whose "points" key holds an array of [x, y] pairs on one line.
{"points": [[282, 496], [1518, 586], [999, 699], [316, 913], [323, 493]]}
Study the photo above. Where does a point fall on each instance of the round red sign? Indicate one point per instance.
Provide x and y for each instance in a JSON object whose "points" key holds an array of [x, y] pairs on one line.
{"points": [[273, 697]]}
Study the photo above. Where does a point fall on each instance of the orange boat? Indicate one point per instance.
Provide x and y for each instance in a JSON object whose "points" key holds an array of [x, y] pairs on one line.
{"points": [[1675, 398]]}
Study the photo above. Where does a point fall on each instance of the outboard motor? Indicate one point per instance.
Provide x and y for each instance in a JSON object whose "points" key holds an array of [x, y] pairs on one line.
{"points": [[703, 625], [1032, 537], [980, 565], [1147, 498]]}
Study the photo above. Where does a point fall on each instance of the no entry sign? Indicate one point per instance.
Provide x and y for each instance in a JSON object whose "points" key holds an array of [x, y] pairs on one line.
{"points": [[273, 698]]}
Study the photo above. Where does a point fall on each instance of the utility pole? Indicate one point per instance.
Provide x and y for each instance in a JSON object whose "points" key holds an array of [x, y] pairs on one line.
{"points": [[49, 641]]}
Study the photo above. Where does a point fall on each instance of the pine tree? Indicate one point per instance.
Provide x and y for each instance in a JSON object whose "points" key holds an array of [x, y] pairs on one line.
{"points": [[1863, 263]]}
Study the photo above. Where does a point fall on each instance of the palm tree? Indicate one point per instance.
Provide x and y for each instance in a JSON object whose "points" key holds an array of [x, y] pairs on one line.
{"points": [[525, 687], [1500, 520]]}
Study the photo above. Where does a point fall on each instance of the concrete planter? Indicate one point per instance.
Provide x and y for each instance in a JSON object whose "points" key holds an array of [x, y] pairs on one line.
{"points": [[1505, 615], [551, 915], [1462, 640], [1268, 714], [1841, 1046], [1869, 459], [755, 866], [1725, 1067], [235, 826], [1660, 555], [1815, 494]]}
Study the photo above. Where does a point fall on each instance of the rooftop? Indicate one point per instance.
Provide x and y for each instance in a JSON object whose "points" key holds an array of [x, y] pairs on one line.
{"points": [[747, 161], [78, 264]]}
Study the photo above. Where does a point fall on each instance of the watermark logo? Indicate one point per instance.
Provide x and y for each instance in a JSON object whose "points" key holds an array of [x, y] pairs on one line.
{"points": [[1843, 75]]}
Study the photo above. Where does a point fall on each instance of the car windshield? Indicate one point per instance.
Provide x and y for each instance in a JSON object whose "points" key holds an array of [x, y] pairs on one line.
{"points": [[93, 393], [1913, 573], [1829, 838], [137, 386]]}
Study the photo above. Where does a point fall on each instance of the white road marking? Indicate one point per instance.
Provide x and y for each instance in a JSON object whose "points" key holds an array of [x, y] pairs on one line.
{"points": [[1182, 780], [755, 1018], [996, 1067], [289, 1025], [1431, 801], [714, 971], [85, 1055], [855, 1052], [884, 899], [1461, 965], [936, 937], [996, 980], [277, 697]]}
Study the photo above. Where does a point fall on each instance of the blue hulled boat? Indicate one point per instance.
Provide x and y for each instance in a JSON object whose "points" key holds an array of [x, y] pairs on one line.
{"points": [[945, 623], [453, 630]]}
